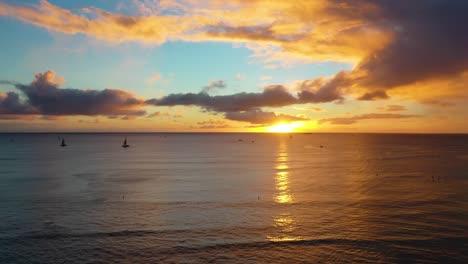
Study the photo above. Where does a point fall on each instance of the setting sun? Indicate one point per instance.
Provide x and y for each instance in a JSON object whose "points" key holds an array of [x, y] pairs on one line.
{"points": [[148, 131], [283, 127]]}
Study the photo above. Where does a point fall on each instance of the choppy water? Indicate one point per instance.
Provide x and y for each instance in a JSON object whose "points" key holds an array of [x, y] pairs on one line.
{"points": [[212, 198]]}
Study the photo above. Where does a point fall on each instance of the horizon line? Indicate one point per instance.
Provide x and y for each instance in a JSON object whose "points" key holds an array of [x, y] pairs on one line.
{"points": [[224, 132]]}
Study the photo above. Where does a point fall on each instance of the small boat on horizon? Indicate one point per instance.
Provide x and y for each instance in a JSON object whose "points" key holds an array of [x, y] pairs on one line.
{"points": [[63, 144], [125, 145]]}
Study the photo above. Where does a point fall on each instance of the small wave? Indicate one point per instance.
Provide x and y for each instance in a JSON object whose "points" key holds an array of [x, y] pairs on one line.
{"points": [[321, 242], [125, 233], [405, 157], [8, 171], [244, 245]]}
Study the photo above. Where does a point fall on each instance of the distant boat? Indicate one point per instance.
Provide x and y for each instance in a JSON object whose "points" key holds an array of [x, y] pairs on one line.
{"points": [[125, 145], [63, 143]]}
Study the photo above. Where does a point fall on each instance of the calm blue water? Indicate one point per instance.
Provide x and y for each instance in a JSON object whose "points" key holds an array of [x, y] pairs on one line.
{"points": [[189, 198]]}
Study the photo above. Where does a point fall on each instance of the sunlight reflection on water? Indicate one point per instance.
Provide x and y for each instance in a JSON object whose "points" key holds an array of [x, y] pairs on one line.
{"points": [[284, 223], [283, 194], [209, 198]]}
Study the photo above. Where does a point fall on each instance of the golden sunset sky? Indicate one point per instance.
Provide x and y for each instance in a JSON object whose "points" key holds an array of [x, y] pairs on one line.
{"points": [[234, 66]]}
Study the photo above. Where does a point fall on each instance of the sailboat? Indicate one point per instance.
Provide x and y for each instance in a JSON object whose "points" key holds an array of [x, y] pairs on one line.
{"points": [[63, 143], [125, 145]]}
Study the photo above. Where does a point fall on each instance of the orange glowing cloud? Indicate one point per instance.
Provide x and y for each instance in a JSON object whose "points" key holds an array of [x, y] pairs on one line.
{"points": [[407, 50], [310, 29]]}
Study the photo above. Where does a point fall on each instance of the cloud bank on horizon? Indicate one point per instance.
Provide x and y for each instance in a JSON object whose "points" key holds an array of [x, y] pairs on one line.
{"points": [[411, 50]]}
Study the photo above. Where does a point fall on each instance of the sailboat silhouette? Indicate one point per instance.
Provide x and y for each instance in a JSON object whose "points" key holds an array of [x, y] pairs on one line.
{"points": [[63, 143], [125, 145]]}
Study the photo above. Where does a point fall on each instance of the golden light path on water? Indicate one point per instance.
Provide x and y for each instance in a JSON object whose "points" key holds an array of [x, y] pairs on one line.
{"points": [[284, 223]]}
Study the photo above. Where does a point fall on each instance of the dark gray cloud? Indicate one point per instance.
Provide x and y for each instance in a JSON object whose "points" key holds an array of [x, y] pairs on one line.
{"points": [[430, 42], [321, 90], [357, 118], [245, 107], [214, 85], [10, 104], [257, 116], [272, 96], [43, 96]]}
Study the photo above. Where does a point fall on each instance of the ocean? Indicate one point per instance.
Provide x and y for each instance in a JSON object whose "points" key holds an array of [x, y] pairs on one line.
{"points": [[233, 198]]}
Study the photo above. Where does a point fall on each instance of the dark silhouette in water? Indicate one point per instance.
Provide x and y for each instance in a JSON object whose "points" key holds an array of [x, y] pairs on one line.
{"points": [[125, 145], [63, 144]]}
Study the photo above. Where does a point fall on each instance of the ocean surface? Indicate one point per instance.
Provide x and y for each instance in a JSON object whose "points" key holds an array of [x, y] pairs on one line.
{"points": [[234, 198]]}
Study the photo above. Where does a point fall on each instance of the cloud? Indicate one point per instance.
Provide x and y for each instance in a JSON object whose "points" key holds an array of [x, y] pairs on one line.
{"points": [[397, 48], [426, 46], [438, 103], [321, 30], [46, 98], [249, 33], [240, 76], [154, 78], [10, 104], [177, 114], [311, 108], [246, 107], [323, 90], [257, 116], [154, 114], [100, 24], [393, 108], [50, 117], [271, 96], [211, 124], [265, 78], [392, 43], [369, 96], [94, 121], [213, 85], [357, 118]]}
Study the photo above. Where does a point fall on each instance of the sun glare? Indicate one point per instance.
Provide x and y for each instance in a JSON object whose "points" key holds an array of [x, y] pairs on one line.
{"points": [[283, 127]]}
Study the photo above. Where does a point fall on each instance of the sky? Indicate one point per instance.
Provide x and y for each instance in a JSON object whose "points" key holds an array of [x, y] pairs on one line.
{"points": [[234, 66]]}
